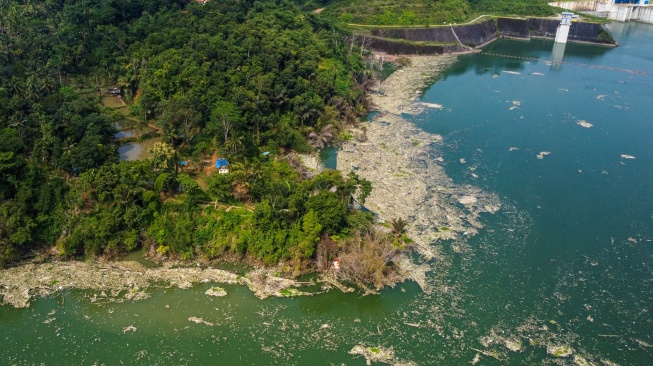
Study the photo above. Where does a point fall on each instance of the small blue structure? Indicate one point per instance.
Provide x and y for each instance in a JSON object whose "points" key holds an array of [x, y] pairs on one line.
{"points": [[219, 163], [266, 153], [183, 163]]}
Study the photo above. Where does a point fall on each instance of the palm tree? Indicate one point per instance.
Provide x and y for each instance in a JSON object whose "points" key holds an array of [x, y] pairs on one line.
{"points": [[322, 138], [236, 144], [31, 90], [19, 124], [4, 57], [398, 226]]}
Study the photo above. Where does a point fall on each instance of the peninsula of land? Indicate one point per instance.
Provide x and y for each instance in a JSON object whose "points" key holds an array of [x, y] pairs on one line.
{"points": [[402, 162]]}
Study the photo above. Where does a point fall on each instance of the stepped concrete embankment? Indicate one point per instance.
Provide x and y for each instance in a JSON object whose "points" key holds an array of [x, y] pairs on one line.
{"points": [[579, 31], [515, 28], [447, 39], [467, 35], [400, 47]]}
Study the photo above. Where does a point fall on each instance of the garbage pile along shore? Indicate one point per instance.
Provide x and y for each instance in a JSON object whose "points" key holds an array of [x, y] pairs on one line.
{"points": [[406, 168]]}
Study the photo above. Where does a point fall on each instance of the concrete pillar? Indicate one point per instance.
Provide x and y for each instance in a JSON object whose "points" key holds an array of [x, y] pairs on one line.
{"points": [[557, 55], [562, 33], [563, 29]]}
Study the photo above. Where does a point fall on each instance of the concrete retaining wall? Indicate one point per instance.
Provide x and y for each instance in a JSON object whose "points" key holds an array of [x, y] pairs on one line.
{"points": [[620, 13], [397, 47], [517, 28], [626, 13], [579, 32], [643, 14], [589, 32], [610, 10], [576, 5], [435, 34], [547, 28], [469, 35], [476, 34], [473, 35]]}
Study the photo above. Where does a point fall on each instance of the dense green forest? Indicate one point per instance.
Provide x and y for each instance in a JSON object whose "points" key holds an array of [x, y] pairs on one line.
{"points": [[234, 76], [251, 81]]}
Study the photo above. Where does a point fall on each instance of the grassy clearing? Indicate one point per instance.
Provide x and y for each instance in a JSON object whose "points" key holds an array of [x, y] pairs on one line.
{"points": [[112, 102]]}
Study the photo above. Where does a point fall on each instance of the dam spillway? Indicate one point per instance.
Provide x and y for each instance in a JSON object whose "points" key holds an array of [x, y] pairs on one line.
{"points": [[618, 10]]}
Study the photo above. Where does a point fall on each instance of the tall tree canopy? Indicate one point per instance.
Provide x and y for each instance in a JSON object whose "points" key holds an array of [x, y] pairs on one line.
{"points": [[238, 76]]}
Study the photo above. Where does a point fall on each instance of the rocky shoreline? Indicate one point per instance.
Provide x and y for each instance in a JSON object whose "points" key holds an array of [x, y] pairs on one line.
{"points": [[406, 168], [123, 281]]}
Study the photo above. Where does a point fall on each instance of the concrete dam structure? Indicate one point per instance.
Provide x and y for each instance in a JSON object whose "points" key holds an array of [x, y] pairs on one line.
{"points": [[446, 39], [619, 10], [463, 35]]}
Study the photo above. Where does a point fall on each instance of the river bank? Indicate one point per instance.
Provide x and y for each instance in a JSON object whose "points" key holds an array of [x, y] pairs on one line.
{"points": [[127, 281], [405, 165]]}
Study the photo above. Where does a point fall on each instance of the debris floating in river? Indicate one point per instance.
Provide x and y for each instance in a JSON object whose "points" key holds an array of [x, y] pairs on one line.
{"points": [[542, 154], [378, 354], [559, 350], [584, 123], [402, 162], [130, 328], [121, 281], [197, 320], [216, 291]]}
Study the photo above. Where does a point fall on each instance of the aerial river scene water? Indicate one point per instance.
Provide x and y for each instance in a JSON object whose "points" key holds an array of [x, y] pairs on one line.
{"points": [[561, 274]]}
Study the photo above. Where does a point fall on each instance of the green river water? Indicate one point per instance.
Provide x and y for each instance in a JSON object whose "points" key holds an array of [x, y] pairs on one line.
{"points": [[568, 261]]}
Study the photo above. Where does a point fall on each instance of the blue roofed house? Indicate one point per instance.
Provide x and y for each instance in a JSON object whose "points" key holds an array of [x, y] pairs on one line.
{"points": [[221, 164]]}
